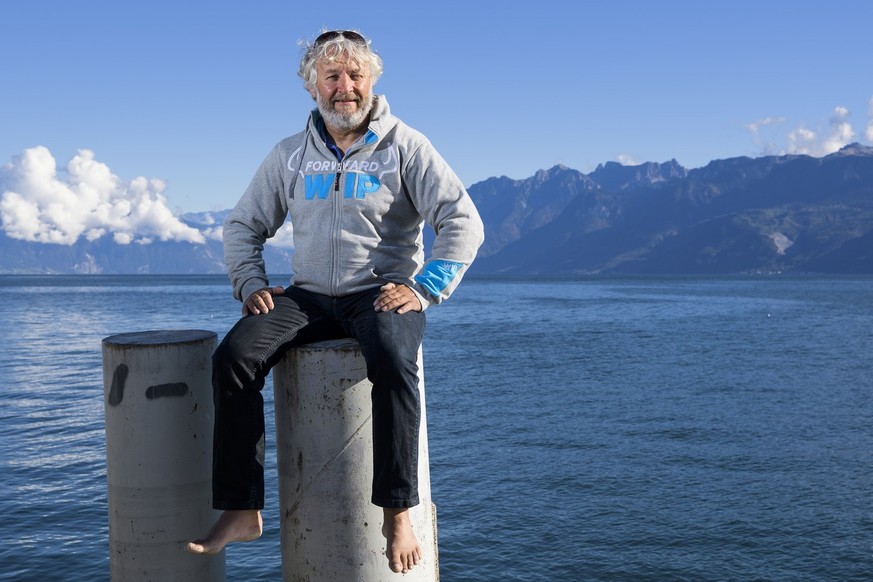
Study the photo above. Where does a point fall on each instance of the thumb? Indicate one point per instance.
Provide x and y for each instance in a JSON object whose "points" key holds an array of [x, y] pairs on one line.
{"points": [[277, 290]]}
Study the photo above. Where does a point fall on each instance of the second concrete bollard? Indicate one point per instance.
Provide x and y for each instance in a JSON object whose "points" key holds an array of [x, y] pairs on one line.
{"points": [[330, 529]]}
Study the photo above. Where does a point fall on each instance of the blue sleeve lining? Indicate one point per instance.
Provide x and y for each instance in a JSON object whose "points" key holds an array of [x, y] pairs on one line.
{"points": [[437, 275]]}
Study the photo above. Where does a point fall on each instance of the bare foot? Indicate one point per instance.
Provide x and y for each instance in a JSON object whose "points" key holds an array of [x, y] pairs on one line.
{"points": [[232, 526], [403, 550]]}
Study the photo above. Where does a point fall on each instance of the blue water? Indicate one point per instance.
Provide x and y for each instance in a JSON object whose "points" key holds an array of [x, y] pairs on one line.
{"points": [[597, 429]]}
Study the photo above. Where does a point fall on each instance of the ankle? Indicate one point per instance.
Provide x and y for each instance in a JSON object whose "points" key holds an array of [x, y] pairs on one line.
{"points": [[398, 515]]}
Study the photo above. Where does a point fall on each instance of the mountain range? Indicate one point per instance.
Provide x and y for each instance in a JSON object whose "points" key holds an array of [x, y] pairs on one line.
{"points": [[786, 214]]}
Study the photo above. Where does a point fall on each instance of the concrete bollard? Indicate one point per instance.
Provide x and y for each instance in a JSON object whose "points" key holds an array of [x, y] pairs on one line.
{"points": [[159, 416], [330, 530]]}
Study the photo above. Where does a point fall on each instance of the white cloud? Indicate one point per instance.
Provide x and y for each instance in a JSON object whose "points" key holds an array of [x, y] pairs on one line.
{"points": [[284, 237], [214, 233], [756, 128], [802, 140], [40, 204], [869, 132], [841, 132], [627, 160]]}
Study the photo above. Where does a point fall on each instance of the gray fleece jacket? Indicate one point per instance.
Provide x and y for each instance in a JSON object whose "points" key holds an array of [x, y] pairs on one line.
{"points": [[357, 223]]}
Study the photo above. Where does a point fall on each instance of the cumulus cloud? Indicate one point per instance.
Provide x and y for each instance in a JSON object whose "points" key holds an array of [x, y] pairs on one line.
{"points": [[86, 200], [284, 237], [841, 132], [212, 227], [814, 142], [802, 141], [869, 132], [627, 160]]}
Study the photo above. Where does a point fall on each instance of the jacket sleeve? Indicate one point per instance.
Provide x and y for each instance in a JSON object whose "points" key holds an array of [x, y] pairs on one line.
{"points": [[256, 217], [443, 202]]}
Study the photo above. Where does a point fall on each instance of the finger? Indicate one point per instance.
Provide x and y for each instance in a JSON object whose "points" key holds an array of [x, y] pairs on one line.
{"points": [[387, 294], [260, 301], [388, 300], [401, 304], [413, 304]]}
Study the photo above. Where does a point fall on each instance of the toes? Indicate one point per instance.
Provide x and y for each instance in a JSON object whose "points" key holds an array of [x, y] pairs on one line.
{"points": [[409, 563], [403, 564]]}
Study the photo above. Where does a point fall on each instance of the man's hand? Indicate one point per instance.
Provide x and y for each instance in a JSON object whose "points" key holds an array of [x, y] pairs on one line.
{"points": [[261, 301], [399, 297]]}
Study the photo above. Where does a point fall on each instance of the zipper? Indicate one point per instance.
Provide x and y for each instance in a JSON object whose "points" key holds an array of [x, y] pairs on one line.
{"points": [[335, 230], [336, 202]]}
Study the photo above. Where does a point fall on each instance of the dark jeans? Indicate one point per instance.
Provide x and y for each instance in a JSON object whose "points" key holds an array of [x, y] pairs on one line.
{"points": [[390, 344]]}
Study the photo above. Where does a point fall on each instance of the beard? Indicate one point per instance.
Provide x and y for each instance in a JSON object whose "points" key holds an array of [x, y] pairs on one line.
{"points": [[345, 121]]}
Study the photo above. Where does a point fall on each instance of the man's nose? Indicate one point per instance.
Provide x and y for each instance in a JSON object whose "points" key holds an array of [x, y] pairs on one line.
{"points": [[345, 84]]}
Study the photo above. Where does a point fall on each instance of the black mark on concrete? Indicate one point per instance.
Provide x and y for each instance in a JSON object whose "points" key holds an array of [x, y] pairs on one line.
{"points": [[162, 390], [116, 390]]}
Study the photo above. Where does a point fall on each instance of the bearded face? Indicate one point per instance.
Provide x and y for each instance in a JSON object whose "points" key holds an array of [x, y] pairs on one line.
{"points": [[344, 93]]}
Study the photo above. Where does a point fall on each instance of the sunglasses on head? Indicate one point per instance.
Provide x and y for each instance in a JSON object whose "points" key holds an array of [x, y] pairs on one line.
{"points": [[332, 34]]}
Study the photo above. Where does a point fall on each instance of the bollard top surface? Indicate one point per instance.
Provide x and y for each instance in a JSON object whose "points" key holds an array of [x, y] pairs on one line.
{"points": [[159, 337]]}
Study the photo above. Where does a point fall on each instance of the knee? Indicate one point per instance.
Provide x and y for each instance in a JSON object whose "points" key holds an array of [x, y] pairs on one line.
{"points": [[232, 364]]}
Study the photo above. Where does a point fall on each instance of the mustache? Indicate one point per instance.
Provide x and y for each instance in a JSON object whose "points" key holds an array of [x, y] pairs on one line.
{"points": [[345, 97]]}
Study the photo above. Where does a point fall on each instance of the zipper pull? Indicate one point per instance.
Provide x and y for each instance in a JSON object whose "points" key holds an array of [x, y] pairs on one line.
{"points": [[336, 183]]}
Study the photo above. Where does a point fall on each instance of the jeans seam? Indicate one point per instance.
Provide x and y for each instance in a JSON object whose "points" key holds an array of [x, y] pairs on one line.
{"points": [[262, 357]]}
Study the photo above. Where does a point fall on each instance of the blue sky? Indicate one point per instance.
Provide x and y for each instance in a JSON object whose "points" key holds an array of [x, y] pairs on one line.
{"points": [[194, 94]]}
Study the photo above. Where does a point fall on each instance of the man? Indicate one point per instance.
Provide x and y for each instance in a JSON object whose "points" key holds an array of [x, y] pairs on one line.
{"points": [[358, 185]]}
